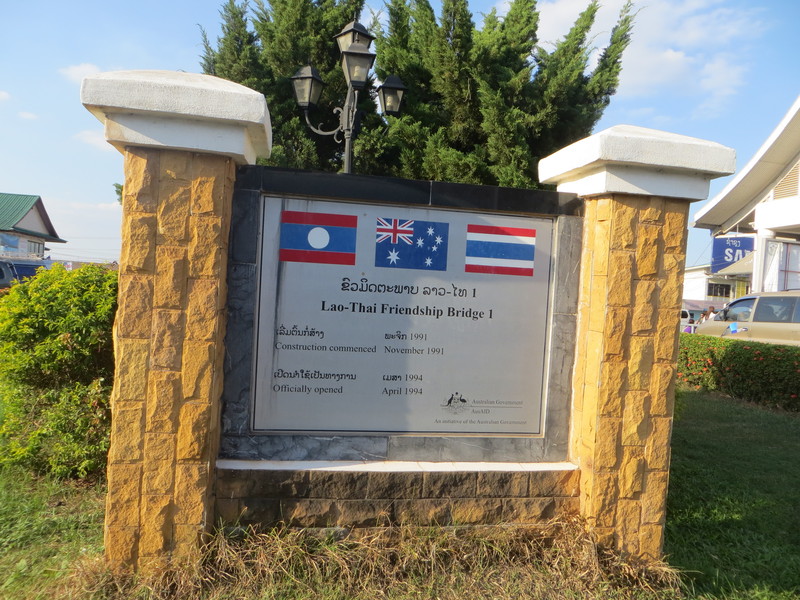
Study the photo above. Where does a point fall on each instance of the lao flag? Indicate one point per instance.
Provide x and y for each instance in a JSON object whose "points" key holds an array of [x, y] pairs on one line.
{"points": [[500, 250], [409, 244], [318, 238]]}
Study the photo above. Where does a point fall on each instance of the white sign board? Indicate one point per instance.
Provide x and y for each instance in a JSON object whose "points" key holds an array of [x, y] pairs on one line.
{"points": [[394, 319]]}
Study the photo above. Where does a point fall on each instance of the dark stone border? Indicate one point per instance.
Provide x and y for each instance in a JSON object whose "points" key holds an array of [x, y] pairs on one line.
{"points": [[391, 190], [321, 498]]}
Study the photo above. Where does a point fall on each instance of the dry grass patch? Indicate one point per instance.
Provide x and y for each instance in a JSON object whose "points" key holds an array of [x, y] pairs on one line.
{"points": [[558, 561]]}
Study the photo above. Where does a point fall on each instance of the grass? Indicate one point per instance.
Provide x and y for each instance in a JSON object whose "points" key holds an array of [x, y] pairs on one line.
{"points": [[45, 524], [733, 528], [733, 515], [558, 562]]}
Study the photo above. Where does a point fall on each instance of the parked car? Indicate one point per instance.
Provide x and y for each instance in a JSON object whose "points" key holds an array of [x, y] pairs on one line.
{"points": [[772, 317], [688, 321], [19, 269], [7, 274]]}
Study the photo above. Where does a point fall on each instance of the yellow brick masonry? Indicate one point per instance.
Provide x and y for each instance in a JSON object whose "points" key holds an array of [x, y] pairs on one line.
{"points": [[631, 276], [168, 335]]}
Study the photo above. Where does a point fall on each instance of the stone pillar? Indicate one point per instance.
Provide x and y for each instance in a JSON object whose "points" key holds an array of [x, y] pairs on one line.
{"points": [[182, 135], [637, 185]]}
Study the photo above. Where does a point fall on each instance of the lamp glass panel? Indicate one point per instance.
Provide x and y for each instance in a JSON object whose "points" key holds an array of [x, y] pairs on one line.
{"points": [[302, 91], [345, 40], [390, 100], [316, 91]]}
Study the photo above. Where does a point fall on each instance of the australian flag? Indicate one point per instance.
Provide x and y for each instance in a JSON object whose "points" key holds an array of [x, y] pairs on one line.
{"points": [[409, 244]]}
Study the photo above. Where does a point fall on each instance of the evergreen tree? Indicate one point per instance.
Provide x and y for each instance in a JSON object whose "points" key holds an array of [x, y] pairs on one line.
{"points": [[567, 101], [237, 57], [482, 105], [264, 46]]}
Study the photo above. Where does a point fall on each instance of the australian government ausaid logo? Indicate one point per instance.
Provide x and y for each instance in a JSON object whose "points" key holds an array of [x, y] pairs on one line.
{"points": [[459, 409], [456, 403]]}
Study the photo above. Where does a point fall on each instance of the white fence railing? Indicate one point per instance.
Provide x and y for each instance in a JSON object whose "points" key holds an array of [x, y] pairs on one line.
{"points": [[5, 254]]}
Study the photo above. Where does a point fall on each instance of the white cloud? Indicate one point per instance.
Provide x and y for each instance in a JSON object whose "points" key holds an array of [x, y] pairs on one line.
{"points": [[94, 138], [721, 78], [4, 95], [692, 49], [28, 116], [76, 73], [557, 16], [724, 25], [640, 76]]}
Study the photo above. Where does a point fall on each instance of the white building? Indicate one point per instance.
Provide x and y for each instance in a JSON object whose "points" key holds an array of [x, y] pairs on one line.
{"points": [[25, 228], [702, 288], [764, 199]]}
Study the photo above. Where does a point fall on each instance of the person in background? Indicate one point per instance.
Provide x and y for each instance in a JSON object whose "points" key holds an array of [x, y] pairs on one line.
{"points": [[711, 313], [703, 317], [690, 327]]}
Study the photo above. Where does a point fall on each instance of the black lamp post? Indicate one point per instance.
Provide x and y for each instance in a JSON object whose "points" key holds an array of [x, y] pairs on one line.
{"points": [[354, 41]]}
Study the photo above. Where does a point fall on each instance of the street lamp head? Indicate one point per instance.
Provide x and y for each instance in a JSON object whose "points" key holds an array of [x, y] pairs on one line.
{"points": [[353, 32], [390, 94], [356, 62], [307, 86]]}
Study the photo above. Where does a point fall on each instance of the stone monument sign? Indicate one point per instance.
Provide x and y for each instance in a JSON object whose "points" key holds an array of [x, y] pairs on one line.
{"points": [[410, 348]]}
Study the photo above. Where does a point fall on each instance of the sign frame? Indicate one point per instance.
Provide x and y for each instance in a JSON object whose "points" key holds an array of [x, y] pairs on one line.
{"points": [[536, 395]]}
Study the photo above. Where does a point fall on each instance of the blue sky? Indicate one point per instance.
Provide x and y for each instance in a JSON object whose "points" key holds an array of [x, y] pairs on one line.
{"points": [[721, 70]]}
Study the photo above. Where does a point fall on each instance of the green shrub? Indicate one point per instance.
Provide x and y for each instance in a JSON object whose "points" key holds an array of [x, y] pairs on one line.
{"points": [[768, 374], [62, 431], [55, 328], [56, 370]]}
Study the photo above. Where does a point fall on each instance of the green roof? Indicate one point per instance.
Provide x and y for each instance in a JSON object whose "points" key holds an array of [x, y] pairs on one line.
{"points": [[14, 207]]}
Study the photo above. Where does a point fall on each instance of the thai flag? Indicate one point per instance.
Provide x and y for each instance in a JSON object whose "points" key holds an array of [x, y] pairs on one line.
{"points": [[500, 250], [318, 238]]}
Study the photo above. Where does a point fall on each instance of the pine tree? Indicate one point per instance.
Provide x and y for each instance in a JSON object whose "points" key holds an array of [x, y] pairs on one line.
{"points": [[237, 57], [262, 48], [568, 102], [482, 105]]}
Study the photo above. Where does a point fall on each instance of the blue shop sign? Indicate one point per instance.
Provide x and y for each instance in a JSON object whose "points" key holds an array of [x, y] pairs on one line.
{"points": [[728, 250]]}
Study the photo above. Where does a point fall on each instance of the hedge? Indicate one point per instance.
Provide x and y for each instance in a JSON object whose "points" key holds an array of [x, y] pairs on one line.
{"points": [[767, 374]]}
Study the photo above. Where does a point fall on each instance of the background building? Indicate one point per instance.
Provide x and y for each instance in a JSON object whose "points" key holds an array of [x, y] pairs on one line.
{"points": [[25, 227], [764, 200]]}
